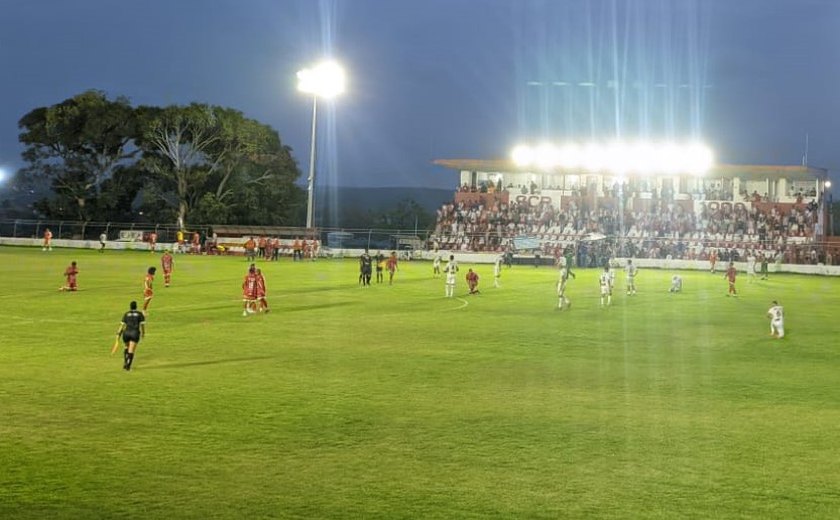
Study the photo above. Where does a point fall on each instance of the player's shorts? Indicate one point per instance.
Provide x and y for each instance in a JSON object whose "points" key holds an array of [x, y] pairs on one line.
{"points": [[131, 336], [148, 294], [605, 290], [450, 280]]}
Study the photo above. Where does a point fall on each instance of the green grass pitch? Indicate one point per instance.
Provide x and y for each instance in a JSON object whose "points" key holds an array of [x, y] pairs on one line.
{"points": [[395, 402]]}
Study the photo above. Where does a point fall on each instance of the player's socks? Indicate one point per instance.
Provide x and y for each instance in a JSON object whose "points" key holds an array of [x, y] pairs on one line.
{"points": [[125, 357], [130, 361]]}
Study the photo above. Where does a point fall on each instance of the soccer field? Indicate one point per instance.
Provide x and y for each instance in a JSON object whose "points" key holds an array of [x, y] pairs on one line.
{"points": [[395, 402]]}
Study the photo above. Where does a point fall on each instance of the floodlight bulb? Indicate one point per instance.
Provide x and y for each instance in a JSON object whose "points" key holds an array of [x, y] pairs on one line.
{"points": [[326, 80], [827, 184], [546, 156], [522, 155]]}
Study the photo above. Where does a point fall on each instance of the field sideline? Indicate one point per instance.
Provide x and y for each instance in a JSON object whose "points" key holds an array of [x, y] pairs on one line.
{"points": [[395, 402]]}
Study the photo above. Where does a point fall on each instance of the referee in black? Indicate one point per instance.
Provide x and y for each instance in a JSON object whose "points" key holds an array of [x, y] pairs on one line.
{"points": [[132, 329]]}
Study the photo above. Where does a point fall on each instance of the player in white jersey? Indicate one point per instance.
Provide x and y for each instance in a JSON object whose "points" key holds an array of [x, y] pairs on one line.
{"points": [[562, 300], [451, 270], [605, 281], [750, 267], [676, 284], [497, 270], [777, 320], [630, 273], [436, 264]]}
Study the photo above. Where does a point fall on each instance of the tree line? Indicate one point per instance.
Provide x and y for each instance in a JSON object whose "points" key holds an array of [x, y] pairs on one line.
{"points": [[102, 159]]}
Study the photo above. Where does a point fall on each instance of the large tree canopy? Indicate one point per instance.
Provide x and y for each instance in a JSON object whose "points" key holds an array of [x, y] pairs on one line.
{"points": [[106, 160], [76, 146]]}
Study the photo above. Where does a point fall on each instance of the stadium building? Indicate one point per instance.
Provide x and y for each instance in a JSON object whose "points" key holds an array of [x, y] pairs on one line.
{"points": [[740, 209]]}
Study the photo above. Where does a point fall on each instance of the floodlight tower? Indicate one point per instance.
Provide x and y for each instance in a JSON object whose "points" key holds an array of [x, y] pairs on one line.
{"points": [[325, 80]]}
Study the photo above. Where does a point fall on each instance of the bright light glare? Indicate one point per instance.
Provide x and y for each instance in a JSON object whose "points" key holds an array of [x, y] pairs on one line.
{"points": [[2, 175], [827, 184], [325, 80], [618, 158], [522, 155]]}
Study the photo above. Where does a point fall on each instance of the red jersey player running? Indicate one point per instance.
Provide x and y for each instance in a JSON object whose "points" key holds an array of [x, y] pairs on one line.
{"points": [[249, 291], [166, 261], [730, 275], [148, 293], [70, 273]]}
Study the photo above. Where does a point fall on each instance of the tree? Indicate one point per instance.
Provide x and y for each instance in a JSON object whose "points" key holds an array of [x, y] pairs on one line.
{"points": [[406, 215], [175, 142], [220, 166], [76, 146]]}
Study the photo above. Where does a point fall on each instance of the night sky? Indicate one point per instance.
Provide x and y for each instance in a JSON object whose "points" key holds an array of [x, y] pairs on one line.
{"points": [[433, 79]]}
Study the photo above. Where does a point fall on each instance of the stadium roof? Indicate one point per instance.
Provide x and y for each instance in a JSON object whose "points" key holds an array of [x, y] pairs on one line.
{"points": [[749, 171]]}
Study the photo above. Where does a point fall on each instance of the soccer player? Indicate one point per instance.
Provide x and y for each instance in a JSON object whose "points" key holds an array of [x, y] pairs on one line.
{"points": [[132, 329], [436, 264], [497, 270], [712, 260], [451, 270], [365, 268], [261, 291], [250, 247], [261, 247], [70, 273], [777, 320], [562, 300], [750, 267], [630, 272], [472, 281], [730, 275], [391, 265], [196, 243], [764, 271], [380, 266], [249, 291], [102, 238], [296, 250], [152, 241], [148, 292], [47, 240], [180, 237], [166, 261], [605, 282], [676, 284]]}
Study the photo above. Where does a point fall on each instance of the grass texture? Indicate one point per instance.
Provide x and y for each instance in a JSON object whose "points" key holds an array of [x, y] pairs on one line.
{"points": [[392, 401]]}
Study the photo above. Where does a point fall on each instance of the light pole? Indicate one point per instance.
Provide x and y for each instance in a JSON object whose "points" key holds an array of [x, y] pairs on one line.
{"points": [[325, 80]]}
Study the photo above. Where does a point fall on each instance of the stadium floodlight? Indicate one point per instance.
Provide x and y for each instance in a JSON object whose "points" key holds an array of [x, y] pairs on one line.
{"points": [[570, 155], [522, 155], [546, 156], [827, 184], [325, 80], [2, 175], [698, 159], [593, 157], [619, 158]]}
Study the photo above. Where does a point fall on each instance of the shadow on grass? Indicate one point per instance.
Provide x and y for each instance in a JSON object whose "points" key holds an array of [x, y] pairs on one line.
{"points": [[318, 306], [207, 362]]}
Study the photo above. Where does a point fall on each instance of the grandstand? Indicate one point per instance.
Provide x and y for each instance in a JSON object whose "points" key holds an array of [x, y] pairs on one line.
{"points": [[778, 212]]}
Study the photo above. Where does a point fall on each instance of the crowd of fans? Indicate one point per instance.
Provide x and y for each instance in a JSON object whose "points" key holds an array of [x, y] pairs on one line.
{"points": [[667, 229]]}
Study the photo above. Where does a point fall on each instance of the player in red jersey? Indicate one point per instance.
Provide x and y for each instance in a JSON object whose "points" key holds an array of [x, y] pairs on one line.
{"points": [[712, 260], [148, 292], [730, 275], [47, 240], [152, 241], [249, 291], [166, 261], [260, 292], [391, 265], [472, 281], [70, 273]]}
